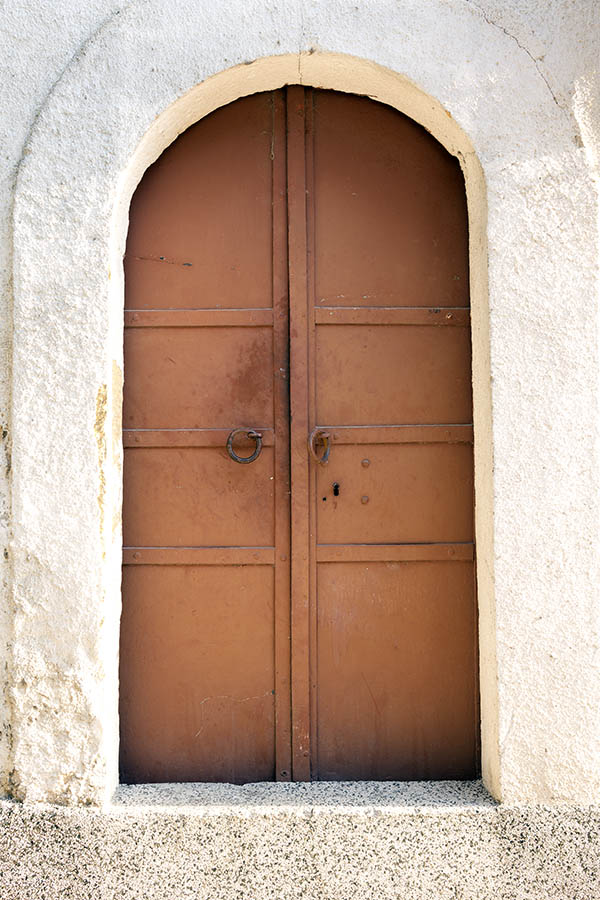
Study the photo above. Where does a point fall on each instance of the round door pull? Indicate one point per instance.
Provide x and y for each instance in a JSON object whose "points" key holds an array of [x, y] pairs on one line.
{"points": [[254, 435]]}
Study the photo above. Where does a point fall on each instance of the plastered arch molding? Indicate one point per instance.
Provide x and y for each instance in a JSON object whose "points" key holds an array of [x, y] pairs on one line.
{"points": [[139, 82]]}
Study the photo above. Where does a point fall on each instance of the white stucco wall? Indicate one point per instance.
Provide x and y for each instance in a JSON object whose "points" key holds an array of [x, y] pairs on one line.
{"points": [[93, 93]]}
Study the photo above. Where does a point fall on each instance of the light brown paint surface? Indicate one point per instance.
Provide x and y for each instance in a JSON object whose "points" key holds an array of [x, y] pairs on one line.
{"points": [[350, 205]]}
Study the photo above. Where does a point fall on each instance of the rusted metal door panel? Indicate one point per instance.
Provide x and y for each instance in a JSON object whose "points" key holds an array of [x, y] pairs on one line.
{"points": [[175, 384], [185, 637], [286, 618], [389, 209], [381, 374], [396, 645], [407, 493], [201, 217], [203, 498]]}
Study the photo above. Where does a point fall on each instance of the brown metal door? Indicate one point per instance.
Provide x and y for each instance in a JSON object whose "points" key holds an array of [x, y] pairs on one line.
{"points": [[344, 646], [205, 626]]}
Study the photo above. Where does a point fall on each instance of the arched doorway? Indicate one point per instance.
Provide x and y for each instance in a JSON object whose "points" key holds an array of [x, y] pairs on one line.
{"points": [[297, 267]]}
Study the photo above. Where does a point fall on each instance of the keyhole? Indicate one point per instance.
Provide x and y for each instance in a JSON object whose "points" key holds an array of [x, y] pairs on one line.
{"points": [[336, 489]]}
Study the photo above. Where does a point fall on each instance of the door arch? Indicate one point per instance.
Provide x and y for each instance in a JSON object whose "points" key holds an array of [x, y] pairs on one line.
{"points": [[287, 619]]}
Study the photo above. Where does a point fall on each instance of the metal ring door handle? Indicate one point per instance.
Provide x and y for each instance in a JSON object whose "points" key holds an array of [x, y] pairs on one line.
{"points": [[255, 435], [318, 436]]}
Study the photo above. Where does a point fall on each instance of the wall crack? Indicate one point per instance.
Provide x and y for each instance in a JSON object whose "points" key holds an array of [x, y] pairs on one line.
{"points": [[521, 46]]}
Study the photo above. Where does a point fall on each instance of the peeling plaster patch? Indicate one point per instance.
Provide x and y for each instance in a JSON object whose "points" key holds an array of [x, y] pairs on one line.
{"points": [[14, 786], [117, 403], [99, 431], [117, 426], [586, 109]]}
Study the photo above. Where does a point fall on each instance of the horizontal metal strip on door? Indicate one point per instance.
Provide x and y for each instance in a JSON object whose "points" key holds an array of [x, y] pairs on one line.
{"points": [[197, 318], [399, 434], [381, 315], [458, 552], [198, 556], [191, 437]]}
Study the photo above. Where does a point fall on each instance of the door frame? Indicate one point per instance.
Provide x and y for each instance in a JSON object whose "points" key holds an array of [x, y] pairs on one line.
{"points": [[350, 75], [66, 407]]}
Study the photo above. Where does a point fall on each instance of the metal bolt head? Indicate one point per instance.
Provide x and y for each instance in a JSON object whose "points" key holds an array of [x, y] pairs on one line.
{"points": [[365, 463]]}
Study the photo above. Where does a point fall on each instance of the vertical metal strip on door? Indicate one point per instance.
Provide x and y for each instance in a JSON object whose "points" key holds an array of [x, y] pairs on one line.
{"points": [[281, 413], [299, 425]]}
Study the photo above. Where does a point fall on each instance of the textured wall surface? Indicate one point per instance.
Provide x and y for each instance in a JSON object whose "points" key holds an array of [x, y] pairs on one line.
{"points": [[83, 85], [319, 842]]}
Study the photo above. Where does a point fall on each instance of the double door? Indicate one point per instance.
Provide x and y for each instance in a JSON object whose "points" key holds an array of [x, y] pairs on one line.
{"points": [[298, 585]]}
